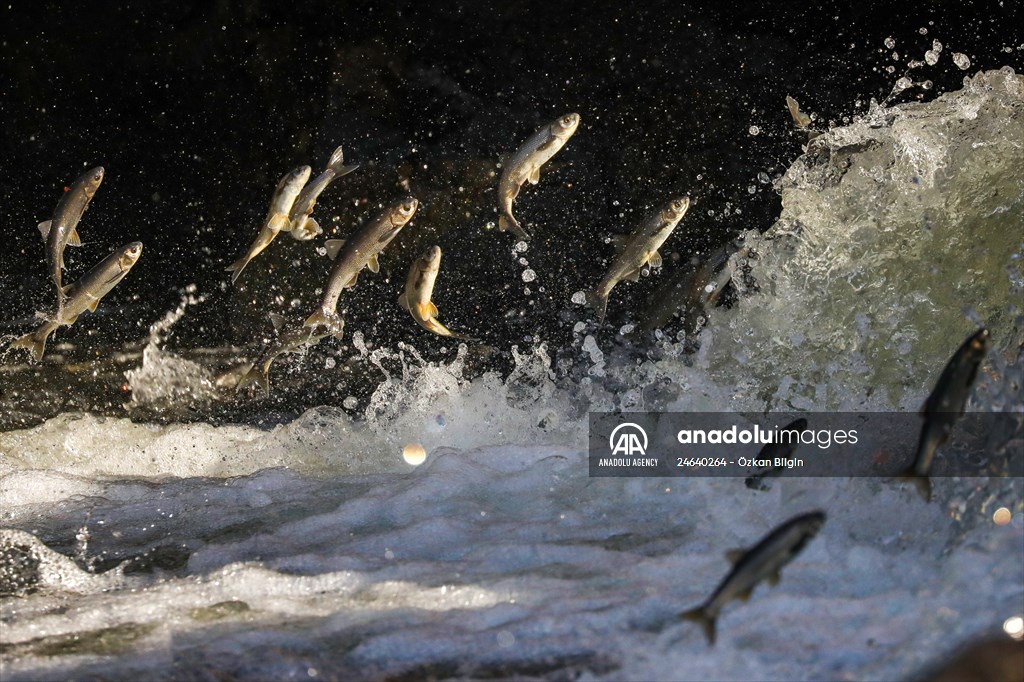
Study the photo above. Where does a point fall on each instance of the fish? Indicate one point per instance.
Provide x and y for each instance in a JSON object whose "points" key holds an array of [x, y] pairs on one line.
{"points": [[352, 255], [287, 190], [85, 294], [419, 288], [749, 567], [524, 166], [801, 119], [637, 250], [692, 292], [773, 450], [61, 229], [290, 339], [944, 406], [301, 225]]}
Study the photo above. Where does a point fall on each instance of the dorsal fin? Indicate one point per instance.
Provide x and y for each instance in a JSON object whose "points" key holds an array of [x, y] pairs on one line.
{"points": [[277, 320]]}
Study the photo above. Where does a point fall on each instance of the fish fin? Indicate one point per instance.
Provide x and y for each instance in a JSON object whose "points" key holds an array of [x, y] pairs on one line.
{"points": [[276, 319], [333, 246], [734, 555], [922, 483], [774, 578], [304, 228], [655, 260], [700, 615], [255, 376], [403, 301], [236, 268], [74, 239], [508, 222], [337, 160], [373, 264], [744, 596], [36, 341], [92, 306], [44, 229], [534, 176], [345, 170], [352, 282], [431, 308], [599, 302], [390, 234], [633, 276], [279, 223], [311, 227]]}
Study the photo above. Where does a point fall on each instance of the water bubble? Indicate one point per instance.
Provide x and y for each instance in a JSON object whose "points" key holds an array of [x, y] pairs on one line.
{"points": [[931, 57], [961, 61], [890, 43], [579, 298], [350, 403], [521, 246], [625, 329], [754, 130], [902, 84], [763, 178], [529, 275], [752, 189], [329, 363], [923, 31], [936, 46], [578, 327]]}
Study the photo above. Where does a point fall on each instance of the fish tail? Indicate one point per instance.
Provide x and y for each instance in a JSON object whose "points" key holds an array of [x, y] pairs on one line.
{"points": [[322, 318], [507, 221], [707, 621], [36, 341], [255, 376], [236, 268], [598, 300], [441, 330], [337, 164], [921, 482]]}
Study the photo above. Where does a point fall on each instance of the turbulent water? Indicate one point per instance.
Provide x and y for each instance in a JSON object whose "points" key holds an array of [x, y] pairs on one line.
{"points": [[317, 550]]}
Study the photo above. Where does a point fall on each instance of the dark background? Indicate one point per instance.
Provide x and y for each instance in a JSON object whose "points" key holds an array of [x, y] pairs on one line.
{"points": [[195, 109]]}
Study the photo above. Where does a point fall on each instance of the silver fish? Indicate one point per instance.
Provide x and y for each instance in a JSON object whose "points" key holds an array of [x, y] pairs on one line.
{"points": [[287, 190], [301, 224], [419, 287], [764, 561], [944, 407], [352, 255], [524, 166], [61, 230], [85, 294], [638, 250], [290, 339], [777, 449]]}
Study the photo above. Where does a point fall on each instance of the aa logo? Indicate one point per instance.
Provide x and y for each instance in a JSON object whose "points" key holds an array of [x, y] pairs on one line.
{"points": [[628, 439]]}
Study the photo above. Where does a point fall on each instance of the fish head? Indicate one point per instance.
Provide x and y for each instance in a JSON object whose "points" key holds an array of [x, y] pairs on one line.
{"points": [[565, 126], [92, 181], [403, 211], [299, 175], [813, 523], [129, 254], [978, 344], [431, 258], [676, 209]]}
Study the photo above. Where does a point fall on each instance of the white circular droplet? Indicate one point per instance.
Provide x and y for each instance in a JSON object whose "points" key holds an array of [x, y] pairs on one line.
{"points": [[506, 639], [414, 454], [350, 403], [529, 275], [579, 298], [754, 130], [1014, 627], [329, 363], [961, 60]]}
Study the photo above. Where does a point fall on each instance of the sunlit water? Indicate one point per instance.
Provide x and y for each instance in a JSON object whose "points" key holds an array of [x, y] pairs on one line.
{"points": [[315, 550]]}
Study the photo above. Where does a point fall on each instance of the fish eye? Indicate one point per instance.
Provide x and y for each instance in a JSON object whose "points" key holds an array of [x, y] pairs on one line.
{"points": [[567, 121]]}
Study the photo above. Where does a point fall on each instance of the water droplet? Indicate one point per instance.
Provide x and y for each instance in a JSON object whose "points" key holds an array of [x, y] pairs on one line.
{"points": [[579, 298], [763, 178], [414, 454], [931, 57], [902, 84], [890, 43], [754, 130], [529, 275], [961, 61], [752, 189], [329, 363], [521, 246], [350, 403]]}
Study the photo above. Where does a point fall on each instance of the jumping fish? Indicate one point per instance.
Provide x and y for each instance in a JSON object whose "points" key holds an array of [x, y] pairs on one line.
{"points": [[764, 561], [85, 294], [944, 407], [638, 250], [288, 189], [419, 288], [773, 450], [301, 225], [800, 119], [290, 339], [61, 230], [524, 166], [352, 255]]}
